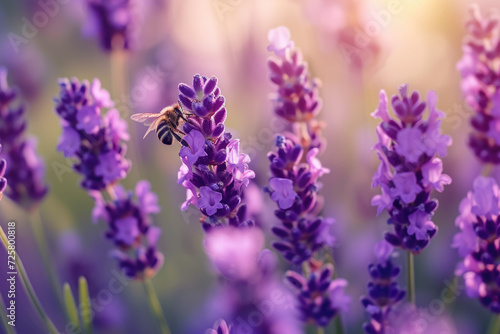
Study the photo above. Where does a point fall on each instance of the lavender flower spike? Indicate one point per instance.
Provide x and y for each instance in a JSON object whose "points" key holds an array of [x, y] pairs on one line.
{"points": [[478, 242], [248, 274], [25, 170], [111, 21], [295, 184], [383, 290], [95, 142], [297, 99], [294, 165], [481, 83], [409, 167], [320, 297], [214, 171]]}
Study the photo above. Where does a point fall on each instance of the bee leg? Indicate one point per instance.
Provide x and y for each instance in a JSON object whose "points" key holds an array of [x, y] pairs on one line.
{"points": [[179, 113], [179, 139], [179, 131]]}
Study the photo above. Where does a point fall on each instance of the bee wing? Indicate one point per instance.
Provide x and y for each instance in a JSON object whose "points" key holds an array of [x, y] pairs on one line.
{"points": [[145, 118], [152, 127]]}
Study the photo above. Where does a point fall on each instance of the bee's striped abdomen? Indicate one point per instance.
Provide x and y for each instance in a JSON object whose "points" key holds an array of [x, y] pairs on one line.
{"points": [[163, 132]]}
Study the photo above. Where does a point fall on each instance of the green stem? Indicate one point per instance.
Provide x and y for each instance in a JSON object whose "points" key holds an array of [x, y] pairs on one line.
{"points": [[41, 241], [494, 327], [28, 287], [8, 328], [155, 306], [321, 330], [339, 329], [411, 277]]}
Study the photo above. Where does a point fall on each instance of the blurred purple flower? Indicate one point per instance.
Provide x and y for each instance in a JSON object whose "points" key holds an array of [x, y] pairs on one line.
{"points": [[111, 21], [478, 242], [111, 167], [409, 169], [148, 201], [315, 167], [297, 98], [99, 148], [89, 119], [407, 318], [383, 250], [280, 41], [234, 252], [26, 66], [118, 128], [130, 228], [96, 142], [247, 273], [481, 83], [320, 297], [19, 161], [383, 290], [69, 142]]}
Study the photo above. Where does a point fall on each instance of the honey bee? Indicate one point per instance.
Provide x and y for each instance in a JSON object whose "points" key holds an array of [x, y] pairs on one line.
{"points": [[165, 123]]}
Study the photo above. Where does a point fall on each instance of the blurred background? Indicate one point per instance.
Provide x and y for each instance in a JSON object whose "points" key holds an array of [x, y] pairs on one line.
{"points": [[354, 47]]}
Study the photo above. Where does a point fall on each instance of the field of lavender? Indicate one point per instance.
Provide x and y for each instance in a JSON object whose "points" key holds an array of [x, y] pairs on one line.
{"points": [[250, 166]]}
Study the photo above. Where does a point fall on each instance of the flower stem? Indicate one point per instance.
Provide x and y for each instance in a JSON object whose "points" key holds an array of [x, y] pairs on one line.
{"points": [[28, 287], [494, 326], [118, 72], [339, 329], [411, 277], [36, 225], [321, 330], [154, 303]]}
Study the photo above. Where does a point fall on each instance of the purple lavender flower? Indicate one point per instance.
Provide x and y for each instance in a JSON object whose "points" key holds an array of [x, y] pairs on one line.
{"points": [[297, 99], [94, 140], [407, 318], [409, 169], [111, 21], [383, 290], [295, 169], [481, 83], [478, 242], [295, 185], [27, 69], [25, 170], [280, 39], [320, 297], [214, 171], [250, 287]]}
